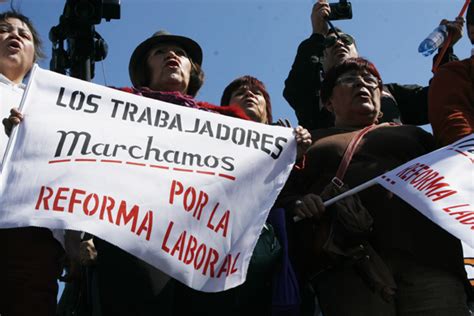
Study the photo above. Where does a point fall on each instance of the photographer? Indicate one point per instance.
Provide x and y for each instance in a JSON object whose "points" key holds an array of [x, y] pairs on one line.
{"points": [[322, 50]]}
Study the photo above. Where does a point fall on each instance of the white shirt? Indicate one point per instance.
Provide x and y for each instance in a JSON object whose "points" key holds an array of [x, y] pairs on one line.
{"points": [[10, 96]]}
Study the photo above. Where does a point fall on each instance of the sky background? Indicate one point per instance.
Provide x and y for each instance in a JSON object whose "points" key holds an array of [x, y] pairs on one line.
{"points": [[259, 37]]}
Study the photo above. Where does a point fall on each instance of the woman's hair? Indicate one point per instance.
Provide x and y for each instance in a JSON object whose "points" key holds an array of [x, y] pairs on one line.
{"points": [[196, 77], [351, 64], [36, 39], [252, 83]]}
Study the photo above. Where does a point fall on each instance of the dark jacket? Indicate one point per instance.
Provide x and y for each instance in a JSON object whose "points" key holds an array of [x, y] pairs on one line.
{"points": [[400, 103]]}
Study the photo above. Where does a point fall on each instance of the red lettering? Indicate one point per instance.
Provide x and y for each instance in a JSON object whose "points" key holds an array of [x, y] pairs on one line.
{"points": [[73, 200], [468, 221], [223, 223], [416, 172], [58, 198], [190, 194], [201, 252], [209, 224], [225, 266], [189, 255], [462, 214], [86, 208], [212, 257], [402, 174], [234, 269], [202, 201], [127, 217], [108, 204], [179, 245], [146, 225], [176, 188], [441, 194], [228, 265], [430, 175], [44, 199], [167, 235], [448, 209], [433, 185]]}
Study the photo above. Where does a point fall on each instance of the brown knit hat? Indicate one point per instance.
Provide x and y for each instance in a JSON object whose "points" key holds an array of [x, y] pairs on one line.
{"points": [[251, 82], [136, 67]]}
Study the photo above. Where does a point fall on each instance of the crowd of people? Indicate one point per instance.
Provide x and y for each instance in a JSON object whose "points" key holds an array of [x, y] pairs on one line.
{"points": [[367, 254]]}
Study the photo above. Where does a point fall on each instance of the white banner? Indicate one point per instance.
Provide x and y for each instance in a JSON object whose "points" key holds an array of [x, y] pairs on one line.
{"points": [[10, 97], [441, 186], [186, 190]]}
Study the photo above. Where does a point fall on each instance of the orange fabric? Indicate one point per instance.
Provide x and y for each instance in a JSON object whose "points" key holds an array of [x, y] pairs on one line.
{"points": [[451, 101]]}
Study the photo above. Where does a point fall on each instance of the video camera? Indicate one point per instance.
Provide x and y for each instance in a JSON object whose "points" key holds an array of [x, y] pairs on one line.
{"points": [[341, 10], [84, 45]]}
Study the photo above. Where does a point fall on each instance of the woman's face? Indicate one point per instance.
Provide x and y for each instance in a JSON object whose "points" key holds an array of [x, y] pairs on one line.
{"points": [[169, 68], [355, 99], [252, 102], [17, 49]]}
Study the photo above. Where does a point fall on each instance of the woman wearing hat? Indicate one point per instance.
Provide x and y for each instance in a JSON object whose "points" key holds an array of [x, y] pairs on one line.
{"points": [[168, 68]]}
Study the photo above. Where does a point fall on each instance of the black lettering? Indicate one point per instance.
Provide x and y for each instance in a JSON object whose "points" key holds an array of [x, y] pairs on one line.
{"points": [[75, 140], [279, 146], [266, 141], [82, 97], [90, 101], [211, 161], [116, 105], [60, 97], [227, 163]]}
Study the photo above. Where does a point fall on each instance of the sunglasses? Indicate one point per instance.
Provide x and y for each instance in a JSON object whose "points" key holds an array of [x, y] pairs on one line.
{"points": [[345, 39]]}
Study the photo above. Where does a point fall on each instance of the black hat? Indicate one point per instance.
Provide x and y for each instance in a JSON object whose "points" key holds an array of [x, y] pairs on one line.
{"points": [[135, 67]]}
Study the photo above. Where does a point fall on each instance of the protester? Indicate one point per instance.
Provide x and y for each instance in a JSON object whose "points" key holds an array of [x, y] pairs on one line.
{"points": [[168, 68], [31, 256], [322, 50], [377, 258], [256, 295], [451, 95], [250, 94]]}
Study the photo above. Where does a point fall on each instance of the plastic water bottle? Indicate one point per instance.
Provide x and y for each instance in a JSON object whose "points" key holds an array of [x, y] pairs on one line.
{"points": [[433, 41]]}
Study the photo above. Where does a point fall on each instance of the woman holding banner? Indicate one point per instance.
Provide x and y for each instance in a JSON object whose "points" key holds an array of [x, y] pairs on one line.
{"points": [[31, 256], [269, 270], [167, 68], [371, 254]]}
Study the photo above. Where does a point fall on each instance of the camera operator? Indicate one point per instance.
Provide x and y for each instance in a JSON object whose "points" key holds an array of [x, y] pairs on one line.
{"points": [[322, 50]]}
